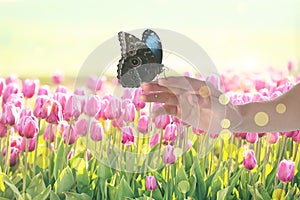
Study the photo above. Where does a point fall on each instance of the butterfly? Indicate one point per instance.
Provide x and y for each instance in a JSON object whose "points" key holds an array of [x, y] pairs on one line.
{"points": [[140, 59]]}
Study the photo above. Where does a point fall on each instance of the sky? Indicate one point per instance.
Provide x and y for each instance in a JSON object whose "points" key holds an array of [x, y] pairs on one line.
{"points": [[40, 37]]}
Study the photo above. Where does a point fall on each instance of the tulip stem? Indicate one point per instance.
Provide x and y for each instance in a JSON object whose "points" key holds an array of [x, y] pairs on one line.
{"points": [[283, 149], [25, 168], [296, 151], [220, 153], [8, 152], [253, 182], [160, 142], [49, 151], [151, 195], [67, 142], [291, 151], [35, 148]]}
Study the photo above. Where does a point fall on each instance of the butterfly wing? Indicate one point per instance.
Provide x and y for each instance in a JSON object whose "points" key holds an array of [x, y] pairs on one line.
{"points": [[151, 39]]}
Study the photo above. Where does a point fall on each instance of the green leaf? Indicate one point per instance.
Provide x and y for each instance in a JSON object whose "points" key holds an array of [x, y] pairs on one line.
{"points": [[36, 185], [221, 195], [181, 175], [58, 165], [104, 171], [200, 186], [270, 179], [75, 196], [258, 195], [124, 190], [65, 181], [234, 181], [11, 186], [183, 186], [44, 194], [83, 181], [192, 181], [263, 191], [54, 196]]}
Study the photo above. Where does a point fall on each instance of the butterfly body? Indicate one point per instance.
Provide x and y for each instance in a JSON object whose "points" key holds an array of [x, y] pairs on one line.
{"points": [[141, 59]]}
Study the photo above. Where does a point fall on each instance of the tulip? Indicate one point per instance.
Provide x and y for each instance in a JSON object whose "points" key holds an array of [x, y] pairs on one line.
{"points": [[47, 132], [14, 155], [286, 170], [79, 92], [113, 108], [241, 135], [10, 114], [3, 130], [82, 126], [70, 133], [95, 83], [92, 105], [10, 89], [290, 66], [249, 159], [31, 144], [169, 157], [136, 101], [13, 78], [71, 154], [129, 114], [127, 94], [55, 112], [61, 98], [43, 90], [170, 132], [154, 140], [41, 109], [16, 99], [72, 108], [150, 183], [28, 127], [96, 130], [273, 137], [127, 136], [101, 113], [142, 125], [29, 88], [2, 86], [290, 133], [88, 154], [119, 122], [57, 77], [198, 131], [252, 137], [61, 89], [162, 121], [296, 137]]}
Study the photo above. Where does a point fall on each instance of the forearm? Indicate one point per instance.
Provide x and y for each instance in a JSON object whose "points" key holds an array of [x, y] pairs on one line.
{"points": [[280, 114]]}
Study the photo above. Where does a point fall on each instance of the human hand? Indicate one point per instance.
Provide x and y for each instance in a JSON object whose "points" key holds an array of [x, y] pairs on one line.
{"points": [[196, 102]]}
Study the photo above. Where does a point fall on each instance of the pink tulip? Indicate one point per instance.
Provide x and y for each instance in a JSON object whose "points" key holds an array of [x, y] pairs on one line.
{"points": [[96, 131], [41, 109], [169, 157], [129, 114], [142, 125], [136, 101], [28, 127], [101, 113], [14, 155], [127, 94], [252, 137], [43, 90], [16, 99], [119, 122], [10, 89], [61, 98], [249, 159], [26, 112], [57, 77], [88, 154], [154, 140], [29, 88], [150, 183], [72, 108], [12, 78], [3, 130], [79, 92], [92, 105], [55, 112], [127, 136], [2, 86], [95, 83], [10, 114], [71, 154], [113, 108], [31, 144], [162, 121], [61, 89], [47, 132], [286, 170], [296, 137], [290, 66], [170, 132], [82, 126], [273, 137], [241, 135], [71, 133], [289, 133], [213, 135], [198, 131]]}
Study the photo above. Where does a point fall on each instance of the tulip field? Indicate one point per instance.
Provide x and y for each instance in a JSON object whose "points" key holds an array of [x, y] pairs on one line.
{"points": [[58, 142]]}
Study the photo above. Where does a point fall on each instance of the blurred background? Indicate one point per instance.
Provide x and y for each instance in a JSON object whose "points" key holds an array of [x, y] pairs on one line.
{"points": [[40, 37]]}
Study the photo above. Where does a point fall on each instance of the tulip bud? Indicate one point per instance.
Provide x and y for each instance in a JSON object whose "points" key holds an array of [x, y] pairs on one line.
{"points": [[92, 105], [3, 130], [47, 132], [198, 131], [57, 77], [249, 159], [142, 125], [82, 126], [29, 88], [55, 112], [286, 170], [296, 137], [44, 90], [252, 137], [71, 134], [113, 108], [96, 130], [273, 137], [127, 136], [169, 157], [40, 108], [10, 89], [31, 144], [10, 114], [2, 86], [72, 108], [129, 114], [170, 132], [154, 140], [61, 89], [136, 101], [150, 183], [95, 83], [162, 121], [28, 127]]}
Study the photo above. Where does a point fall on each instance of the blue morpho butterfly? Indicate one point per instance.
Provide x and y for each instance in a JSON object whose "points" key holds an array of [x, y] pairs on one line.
{"points": [[141, 59]]}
